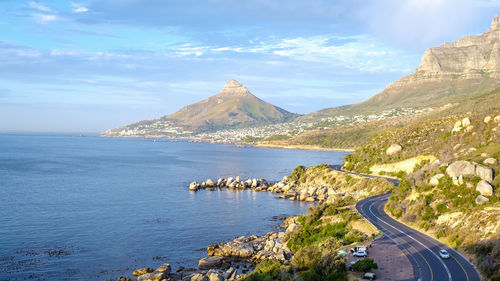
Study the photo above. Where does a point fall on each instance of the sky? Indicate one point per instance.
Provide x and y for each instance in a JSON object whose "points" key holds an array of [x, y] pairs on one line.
{"points": [[87, 66]]}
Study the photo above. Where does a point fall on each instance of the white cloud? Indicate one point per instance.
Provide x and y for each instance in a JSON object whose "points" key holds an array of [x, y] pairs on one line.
{"points": [[39, 7], [80, 10], [77, 8], [44, 18]]}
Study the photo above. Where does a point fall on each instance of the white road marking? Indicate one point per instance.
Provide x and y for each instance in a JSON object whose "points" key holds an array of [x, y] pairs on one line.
{"points": [[445, 267]]}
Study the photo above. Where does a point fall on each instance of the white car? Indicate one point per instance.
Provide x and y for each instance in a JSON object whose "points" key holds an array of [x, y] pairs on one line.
{"points": [[444, 254], [360, 254]]}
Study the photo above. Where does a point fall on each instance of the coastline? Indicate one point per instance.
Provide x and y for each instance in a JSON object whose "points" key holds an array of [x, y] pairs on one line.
{"points": [[302, 147], [237, 144]]}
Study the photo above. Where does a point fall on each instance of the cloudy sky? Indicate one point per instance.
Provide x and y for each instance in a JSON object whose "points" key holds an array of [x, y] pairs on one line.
{"points": [[86, 66]]}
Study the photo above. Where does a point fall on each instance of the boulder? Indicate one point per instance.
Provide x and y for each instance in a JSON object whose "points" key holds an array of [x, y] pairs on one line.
{"points": [[497, 119], [469, 128], [210, 262], [465, 122], [154, 276], [484, 188], [484, 172], [480, 199], [198, 277], [393, 149], [142, 271], [487, 119], [434, 181], [194, 186], [461, 168], [209, 182], [490, 161], [213, 276], [165, 268]]}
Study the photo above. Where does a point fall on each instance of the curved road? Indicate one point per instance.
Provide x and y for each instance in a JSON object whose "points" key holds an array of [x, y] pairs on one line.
{"points": [[421, 250]]}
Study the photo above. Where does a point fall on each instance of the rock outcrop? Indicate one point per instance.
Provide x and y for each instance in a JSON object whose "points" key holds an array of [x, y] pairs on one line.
{"points": [[393, 149], [253, 248], [463, 169], [484, 188]]}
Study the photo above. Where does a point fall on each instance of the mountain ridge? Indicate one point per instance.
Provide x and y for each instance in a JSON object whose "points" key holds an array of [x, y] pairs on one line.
{"points": [[233, 106]]}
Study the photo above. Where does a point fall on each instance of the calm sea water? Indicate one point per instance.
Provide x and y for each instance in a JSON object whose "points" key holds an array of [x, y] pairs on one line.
{"points": [[88, 208]]}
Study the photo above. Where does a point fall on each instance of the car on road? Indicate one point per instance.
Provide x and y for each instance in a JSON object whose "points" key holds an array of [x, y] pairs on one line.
{"points": [[369, 275], [360, 254], [444, 254]]}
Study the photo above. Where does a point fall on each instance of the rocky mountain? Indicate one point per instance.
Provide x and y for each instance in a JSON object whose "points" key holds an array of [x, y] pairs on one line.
{"points": [[233, 107], [447, 73]]}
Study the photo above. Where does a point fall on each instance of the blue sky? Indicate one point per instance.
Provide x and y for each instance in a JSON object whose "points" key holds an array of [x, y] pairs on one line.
{"points": [[86, 66]]}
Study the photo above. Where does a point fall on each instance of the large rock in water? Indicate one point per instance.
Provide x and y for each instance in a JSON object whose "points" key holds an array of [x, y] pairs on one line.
{"points": [[154, 276], [461, 168], [393, 149], [210, 262], [484, 188], [142, 271]]}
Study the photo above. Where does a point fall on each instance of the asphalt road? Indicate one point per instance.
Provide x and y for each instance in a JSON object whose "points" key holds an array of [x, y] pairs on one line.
{"points": [[421, 250]]}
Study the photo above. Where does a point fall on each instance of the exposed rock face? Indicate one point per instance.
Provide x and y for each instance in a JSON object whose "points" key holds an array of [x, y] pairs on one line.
{"points": [[484, 188], [393, 149], [449, 70], [469, 56]]}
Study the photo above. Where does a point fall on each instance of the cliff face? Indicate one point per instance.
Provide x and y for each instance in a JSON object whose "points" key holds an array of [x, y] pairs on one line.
{"points": [[469, 57], [447, 74]]}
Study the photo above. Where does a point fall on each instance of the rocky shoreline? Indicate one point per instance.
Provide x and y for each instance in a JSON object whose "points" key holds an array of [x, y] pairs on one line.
{"points": [[227, 261], [286, 188]]}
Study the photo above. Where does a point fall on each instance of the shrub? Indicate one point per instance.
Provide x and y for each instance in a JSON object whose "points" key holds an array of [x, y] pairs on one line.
{"points": [[364, 265], [268, 270], [298, 173], [306, 257]]}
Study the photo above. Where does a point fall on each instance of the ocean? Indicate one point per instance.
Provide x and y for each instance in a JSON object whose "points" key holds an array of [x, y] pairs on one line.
{"points": [[90, 208]]}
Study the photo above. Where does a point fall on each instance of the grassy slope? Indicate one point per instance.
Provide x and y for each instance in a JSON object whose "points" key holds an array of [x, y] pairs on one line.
{"points": [[355, 136], [325, 229]]}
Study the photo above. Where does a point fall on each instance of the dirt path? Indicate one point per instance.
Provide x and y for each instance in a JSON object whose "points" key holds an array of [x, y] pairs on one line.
{"points": [[392, 263]]}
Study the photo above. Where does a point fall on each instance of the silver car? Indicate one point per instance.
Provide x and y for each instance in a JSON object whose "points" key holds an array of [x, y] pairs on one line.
{"points": [[444, 254]]}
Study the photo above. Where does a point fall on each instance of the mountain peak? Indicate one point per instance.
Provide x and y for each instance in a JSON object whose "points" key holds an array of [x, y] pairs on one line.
{"points": [[495, 23], [235, 89]]}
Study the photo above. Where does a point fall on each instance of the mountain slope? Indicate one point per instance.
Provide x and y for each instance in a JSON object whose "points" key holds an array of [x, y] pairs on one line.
{"points": [[233, 107], [447, 73]]}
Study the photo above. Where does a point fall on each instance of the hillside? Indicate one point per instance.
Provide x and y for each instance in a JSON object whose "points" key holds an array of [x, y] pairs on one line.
{"points": [[448, 168], [446, 74], [233, 107]]}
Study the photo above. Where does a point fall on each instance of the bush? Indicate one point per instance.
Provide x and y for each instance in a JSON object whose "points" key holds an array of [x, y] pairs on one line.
{"points": [[364, 265], [306, 257], [268, 270], [329, 264], [297, 173]]}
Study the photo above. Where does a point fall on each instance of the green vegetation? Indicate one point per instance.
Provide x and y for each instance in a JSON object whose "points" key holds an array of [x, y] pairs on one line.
{"points": [[364, 265], [314, 244], [446, 210]]}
